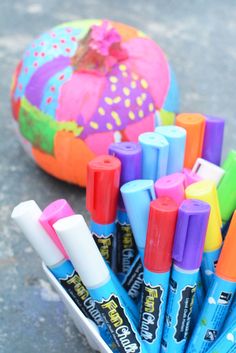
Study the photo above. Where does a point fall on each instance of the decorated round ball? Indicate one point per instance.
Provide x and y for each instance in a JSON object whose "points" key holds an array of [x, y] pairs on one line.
{"points": [[86, 84]]}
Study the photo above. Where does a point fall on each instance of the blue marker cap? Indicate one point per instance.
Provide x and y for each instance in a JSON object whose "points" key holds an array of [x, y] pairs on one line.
{"points": [[130, 155], [155, 149], [137, 196], [214, 131], [176, 137], [190, 234]]}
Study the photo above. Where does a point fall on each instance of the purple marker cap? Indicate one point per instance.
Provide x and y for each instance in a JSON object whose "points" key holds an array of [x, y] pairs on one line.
{"points": [[213, 139], [190, 234], [130, 155]]}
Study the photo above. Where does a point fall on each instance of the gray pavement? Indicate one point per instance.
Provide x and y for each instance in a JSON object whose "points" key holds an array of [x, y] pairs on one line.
{"points": [[198, 36]]}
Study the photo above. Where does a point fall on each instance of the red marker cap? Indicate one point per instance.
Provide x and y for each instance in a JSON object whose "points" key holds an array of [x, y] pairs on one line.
{"points": [[103, 180], [160, 235]]}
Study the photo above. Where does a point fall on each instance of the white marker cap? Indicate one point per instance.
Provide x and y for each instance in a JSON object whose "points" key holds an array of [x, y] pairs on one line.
{"points": [[83, 251], [208, 170], [26, 215]]}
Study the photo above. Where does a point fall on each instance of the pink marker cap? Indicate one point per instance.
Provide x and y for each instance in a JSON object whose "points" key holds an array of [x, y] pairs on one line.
{"points": [[190, 177], [171, 186], [51, 214]]}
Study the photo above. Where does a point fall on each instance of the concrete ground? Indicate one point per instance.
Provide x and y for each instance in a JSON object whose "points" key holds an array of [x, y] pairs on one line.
{"points": [[198, 36]]}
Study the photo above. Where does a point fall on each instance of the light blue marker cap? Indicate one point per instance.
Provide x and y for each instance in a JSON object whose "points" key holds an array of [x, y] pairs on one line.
{"points": [[176, 136], [137, 196], [155, 149]]}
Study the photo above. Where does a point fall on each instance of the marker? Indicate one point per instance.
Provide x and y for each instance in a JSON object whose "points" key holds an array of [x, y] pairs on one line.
{"points": [[205, 190], [227, 188], [219, 297], [187, 255], [171, 186], [231, 316], [60, 209], [207, 170], [93, 270], [176, 137], [137, 196], [157, 264], [103, 181], [26, 215], [129, 153], [226, 343], [194, 124], [190, 177], [214, 131], [155, 149]]}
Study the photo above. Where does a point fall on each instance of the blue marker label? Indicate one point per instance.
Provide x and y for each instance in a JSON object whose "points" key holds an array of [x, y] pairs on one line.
{"points": [[115, 316], [153, 308], [71, 282], [104, 236], [133, 280], [126, 247], [211, 319], [231, 317], [198, 301], [208, 265], [182, 290], [226, 342]]}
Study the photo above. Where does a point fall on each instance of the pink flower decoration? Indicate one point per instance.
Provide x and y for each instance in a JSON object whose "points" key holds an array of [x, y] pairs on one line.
{"points": [[102, 37]]}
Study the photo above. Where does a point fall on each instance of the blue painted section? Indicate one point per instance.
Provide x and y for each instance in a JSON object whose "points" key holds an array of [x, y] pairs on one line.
{"points": [[209, 261], [182, 290], [212, 316], [153, 309]]}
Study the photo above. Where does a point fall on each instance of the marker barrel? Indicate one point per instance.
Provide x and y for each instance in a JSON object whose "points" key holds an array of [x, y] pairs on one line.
{"points": [[212, 316], [126, 247], [182, 290], [71, 282], [115, 315], [155, 290], [209, 261], [133, 280], [105, 238], [226, 343]]}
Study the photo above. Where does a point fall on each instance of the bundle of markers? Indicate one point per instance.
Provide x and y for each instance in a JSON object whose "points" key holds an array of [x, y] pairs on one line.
{"points": [[156, 269]]}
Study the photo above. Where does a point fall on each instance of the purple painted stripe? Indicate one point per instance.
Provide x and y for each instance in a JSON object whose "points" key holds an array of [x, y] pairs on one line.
{"points": [[35, 87]]}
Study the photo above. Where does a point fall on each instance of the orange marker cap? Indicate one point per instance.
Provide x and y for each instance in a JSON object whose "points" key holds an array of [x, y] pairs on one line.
{"points": [[226, 266], [194, 124]]}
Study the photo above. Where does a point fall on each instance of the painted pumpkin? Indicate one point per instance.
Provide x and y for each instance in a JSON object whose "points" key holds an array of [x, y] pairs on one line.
{"points": [[84, 85]]}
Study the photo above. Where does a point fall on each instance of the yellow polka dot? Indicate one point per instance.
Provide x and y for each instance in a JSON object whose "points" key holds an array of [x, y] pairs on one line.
{"points": [[116, 117], [108, 100], [122, 67], [109, 126], [94, 125], [144, 96], [139, 101], [113, 88], [151, 107], [127, 103], [131, 115], [133, 84], [144, 83], [126, 91], [140, 114], [113, 79], [117, 99], [101, 111], [124, 74], [135, 76]]}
